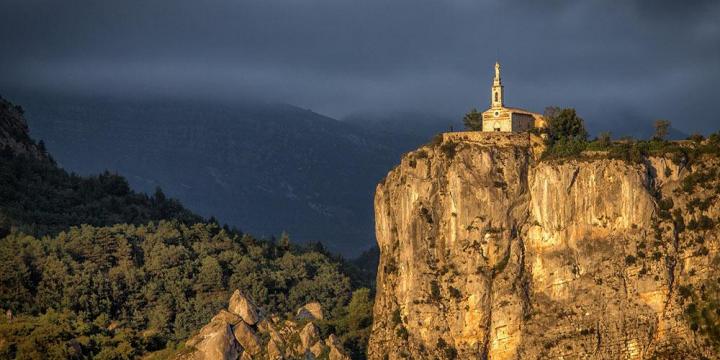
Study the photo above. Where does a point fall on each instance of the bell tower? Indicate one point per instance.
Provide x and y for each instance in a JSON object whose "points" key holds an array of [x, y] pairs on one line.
{"points": [[497, 89]]}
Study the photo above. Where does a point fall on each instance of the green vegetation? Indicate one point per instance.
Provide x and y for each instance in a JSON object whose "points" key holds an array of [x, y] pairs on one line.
{"points": [[699, 178], [353, 323], [435, 291], [449, 149], [702, 309], [566, 134], [630, 260], [448, 351], [91, 269], [566, 137], [473, 120], [63, 335], [158, 283], [39, 198]]}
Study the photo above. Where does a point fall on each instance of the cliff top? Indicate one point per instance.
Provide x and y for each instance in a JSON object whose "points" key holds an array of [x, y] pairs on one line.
{"points": [[635, 151]]}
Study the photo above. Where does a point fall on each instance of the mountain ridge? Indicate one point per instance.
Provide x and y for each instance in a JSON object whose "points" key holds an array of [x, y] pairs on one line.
{"points": [[307, 174]]}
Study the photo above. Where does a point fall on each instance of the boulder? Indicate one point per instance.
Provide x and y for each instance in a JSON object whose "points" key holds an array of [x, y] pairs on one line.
{"points": [[227, 317], [247, 338], [215, 341], [311, 311], [266, 327], [274, 351], [336, 349], [309, 335], [229, 336], [318, 349], [244, 307]]}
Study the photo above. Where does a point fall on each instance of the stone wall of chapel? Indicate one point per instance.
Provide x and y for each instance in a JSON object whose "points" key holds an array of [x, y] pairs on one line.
{"points": [[522, 122]]}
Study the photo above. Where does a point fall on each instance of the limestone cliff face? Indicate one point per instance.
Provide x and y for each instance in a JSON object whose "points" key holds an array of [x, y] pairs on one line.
{"points": [[487, 253]]}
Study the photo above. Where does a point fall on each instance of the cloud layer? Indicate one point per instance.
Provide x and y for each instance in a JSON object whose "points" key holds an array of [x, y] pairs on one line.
{"points": [[607, 58]]}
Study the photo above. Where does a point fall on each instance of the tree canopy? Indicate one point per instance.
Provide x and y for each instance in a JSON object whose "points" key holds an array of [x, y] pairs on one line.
{"points": [[473, 120], [565, 125], [662, 130], [40, 198], [155, 284]]}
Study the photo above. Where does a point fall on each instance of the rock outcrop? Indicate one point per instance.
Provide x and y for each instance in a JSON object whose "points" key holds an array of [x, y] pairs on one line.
{"points": [[243, 307], [14, 132], [311, 311], [242, 332], [488, 253]]}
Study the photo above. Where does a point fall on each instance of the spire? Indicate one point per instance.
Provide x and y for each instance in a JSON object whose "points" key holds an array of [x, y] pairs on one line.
{"points": [[497, 88]]}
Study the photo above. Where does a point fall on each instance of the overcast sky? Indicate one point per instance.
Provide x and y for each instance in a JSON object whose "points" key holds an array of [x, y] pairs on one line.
{"points": [[643, 59]]}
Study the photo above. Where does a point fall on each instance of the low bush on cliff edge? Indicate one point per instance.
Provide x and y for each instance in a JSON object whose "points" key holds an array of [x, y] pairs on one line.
{"points": [[565, 133], [566, 137]]}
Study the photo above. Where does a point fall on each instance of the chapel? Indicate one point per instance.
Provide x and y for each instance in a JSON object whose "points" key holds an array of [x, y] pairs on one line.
{"points": [[506, 119]]}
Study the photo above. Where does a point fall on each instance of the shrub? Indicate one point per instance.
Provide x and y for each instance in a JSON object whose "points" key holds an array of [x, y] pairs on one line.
{"points": [[666, 204], [448, 149], [604, 139], [662, 129], [402, 333], [696, 138], [435, 291], [565, 124], [630, 152], [685, 291], [455, 293], [565, 148], [395, 317], [630, 260], [473, 120]]}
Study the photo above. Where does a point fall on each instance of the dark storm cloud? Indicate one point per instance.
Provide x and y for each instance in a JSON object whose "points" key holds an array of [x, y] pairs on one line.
{"points": [[607, 58]]}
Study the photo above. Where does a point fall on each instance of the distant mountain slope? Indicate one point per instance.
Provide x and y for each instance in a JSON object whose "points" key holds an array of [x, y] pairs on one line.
{"points": [[118, 274], [413, 128], [39, 198], [14, 136], [262, 167]]}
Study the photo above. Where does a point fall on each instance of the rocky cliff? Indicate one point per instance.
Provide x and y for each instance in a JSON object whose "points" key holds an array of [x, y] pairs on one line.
{"points": [[488, 253]]}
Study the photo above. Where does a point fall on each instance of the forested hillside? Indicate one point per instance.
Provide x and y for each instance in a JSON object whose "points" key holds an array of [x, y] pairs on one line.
{"points": [[299, 171], [37, 197], [92, 269], [136, 288]]}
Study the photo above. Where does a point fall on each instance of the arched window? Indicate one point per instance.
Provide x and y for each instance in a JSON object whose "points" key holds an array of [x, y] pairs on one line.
{"points": [[496, 96]]}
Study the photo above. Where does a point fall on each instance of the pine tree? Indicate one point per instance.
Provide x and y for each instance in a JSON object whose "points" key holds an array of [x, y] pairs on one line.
{"points": [[473, 120]]}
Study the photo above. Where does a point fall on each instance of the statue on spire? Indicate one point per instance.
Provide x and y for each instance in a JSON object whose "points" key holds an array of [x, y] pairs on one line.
{"points": [[497, 88]]}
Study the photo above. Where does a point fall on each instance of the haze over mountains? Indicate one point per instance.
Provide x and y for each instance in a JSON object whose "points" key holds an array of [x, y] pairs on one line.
{"points": [[265, 168]]}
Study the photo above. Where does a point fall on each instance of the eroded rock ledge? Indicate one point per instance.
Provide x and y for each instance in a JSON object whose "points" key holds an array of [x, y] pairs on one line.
{"points": [[487, 253]]}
